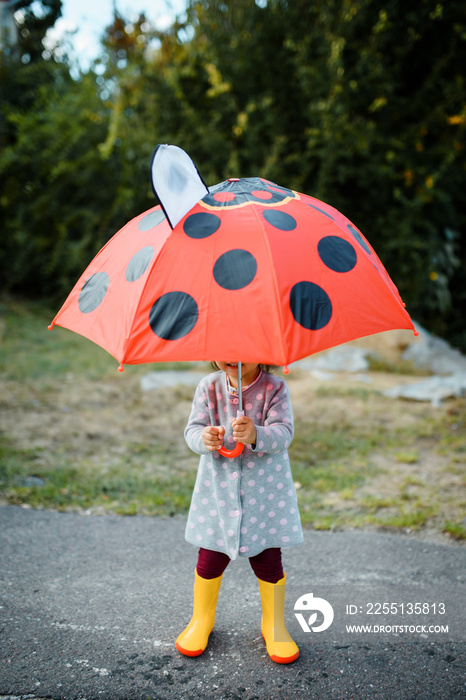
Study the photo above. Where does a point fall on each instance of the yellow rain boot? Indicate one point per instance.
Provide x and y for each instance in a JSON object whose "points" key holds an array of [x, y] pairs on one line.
{"points": [[280, 646], [193, 640]]}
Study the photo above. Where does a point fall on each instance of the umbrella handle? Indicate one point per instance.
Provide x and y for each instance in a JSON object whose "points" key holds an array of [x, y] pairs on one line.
{"points": [[235, 452], [238, 448]]}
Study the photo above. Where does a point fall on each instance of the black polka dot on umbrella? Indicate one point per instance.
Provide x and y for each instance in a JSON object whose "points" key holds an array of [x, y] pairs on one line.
{"points": [[201, 225], [235, 269], [322, 211], [151, 220], [173, 315], [355, 233], [310, 305], [93, 292], [139, 263], [279, 219], [337, 253]]}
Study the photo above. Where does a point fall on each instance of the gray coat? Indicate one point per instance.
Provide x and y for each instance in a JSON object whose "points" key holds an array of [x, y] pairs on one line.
{"points": [[244, 505]]}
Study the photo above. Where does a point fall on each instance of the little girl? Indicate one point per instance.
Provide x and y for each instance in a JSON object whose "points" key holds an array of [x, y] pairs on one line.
{"points": [[244, 506]]}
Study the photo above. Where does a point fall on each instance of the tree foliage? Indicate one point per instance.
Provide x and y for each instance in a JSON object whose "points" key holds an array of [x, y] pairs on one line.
{"points": [[360, 105], [35, 19]]}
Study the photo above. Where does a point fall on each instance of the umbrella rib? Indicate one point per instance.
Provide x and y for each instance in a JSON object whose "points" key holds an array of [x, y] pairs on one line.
{"points": [[275, 286], [142, 295]]}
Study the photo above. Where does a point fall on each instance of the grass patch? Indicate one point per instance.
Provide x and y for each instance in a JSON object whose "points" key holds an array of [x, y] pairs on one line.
{"points": [[456, 530], [29, 350], [121, 488], [330, 443], [409, 457], [402, 367], [351, 392], [411, 519]]}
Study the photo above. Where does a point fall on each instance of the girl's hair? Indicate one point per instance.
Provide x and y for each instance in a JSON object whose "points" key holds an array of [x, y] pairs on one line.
{"points": [[266, 368]]}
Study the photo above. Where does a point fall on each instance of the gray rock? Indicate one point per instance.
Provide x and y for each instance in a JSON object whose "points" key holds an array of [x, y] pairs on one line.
{"points": [[158, 380], [433, 389], [434, 354]]}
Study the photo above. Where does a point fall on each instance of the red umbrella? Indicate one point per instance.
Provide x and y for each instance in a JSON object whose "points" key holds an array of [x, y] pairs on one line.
{"points": [[250, 271]]}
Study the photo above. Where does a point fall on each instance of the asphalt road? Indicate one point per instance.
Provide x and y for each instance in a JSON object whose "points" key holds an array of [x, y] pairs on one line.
{"points": [[90, 608]]}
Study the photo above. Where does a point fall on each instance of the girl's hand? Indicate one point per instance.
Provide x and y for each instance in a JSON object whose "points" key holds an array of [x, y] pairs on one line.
{"points": [[244, 430], [212, 437]]}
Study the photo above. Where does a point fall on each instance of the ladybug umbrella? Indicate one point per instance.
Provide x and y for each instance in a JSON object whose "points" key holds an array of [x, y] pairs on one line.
{"points": [[245, 270]]}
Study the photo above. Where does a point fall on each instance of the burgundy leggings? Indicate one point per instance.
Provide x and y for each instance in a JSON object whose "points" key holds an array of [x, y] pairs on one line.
{"points": [[267, 565]]}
